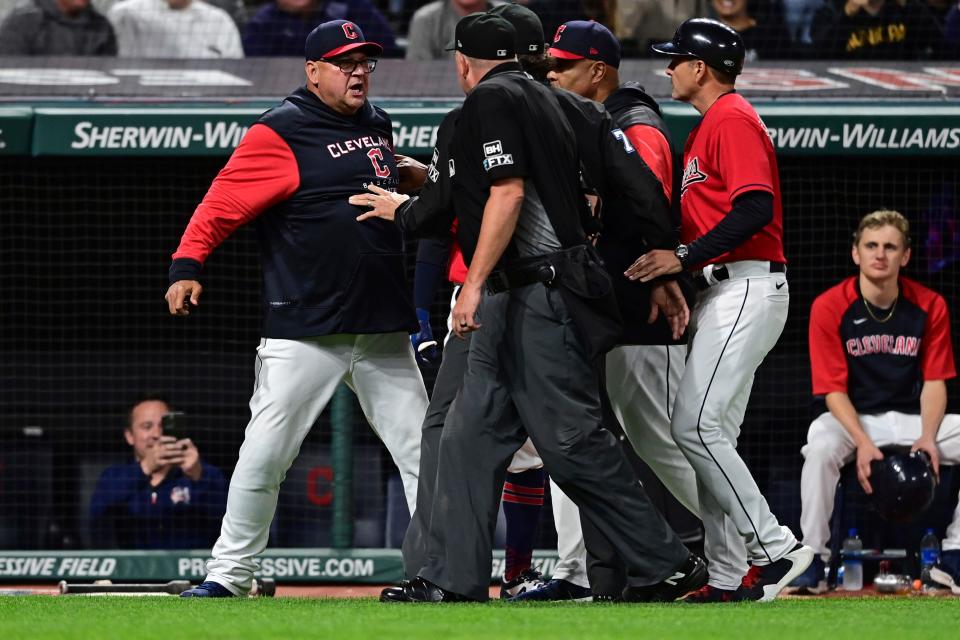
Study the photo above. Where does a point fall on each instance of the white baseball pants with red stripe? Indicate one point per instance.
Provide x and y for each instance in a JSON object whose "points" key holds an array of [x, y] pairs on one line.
{"points": [[295, 380], [734, 324], [829, 447]]}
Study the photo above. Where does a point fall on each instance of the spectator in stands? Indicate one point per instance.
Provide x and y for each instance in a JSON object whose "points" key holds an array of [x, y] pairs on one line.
{"points": [[798, 20], [764, 35], [640, 22], [876, 30], [432, 25], [880, 352], [174, 29], [280, 27], [7, 5], [951, 31], [940, 8], [56, 28], [166, 497], [235, 8], [554, 13]]}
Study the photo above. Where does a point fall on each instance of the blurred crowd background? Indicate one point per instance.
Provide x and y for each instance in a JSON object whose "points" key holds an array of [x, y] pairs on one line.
{"points": [[418, 30]]}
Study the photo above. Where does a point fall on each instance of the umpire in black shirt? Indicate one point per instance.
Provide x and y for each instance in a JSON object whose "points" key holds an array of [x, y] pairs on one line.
{"points": [[540, 305]]}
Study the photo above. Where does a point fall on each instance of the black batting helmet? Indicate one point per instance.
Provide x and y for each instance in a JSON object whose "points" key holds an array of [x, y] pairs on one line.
{"points": [[709, 40], [903, 485]]}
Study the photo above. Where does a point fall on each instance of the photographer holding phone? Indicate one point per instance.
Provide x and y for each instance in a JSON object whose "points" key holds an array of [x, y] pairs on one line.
{"points": [[166, 498]]}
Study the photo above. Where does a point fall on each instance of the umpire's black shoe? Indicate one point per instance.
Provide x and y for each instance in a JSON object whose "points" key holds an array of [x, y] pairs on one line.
{"points": [[608, 598], [394, 594], [690, 576], [420, 590]]}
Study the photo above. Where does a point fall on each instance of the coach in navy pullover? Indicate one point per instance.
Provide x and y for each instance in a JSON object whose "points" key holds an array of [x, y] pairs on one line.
{"points": [[292, 174]]}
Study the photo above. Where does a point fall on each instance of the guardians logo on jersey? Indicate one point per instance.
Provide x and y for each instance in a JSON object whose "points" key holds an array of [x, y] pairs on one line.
{"points": [[691, 175]]}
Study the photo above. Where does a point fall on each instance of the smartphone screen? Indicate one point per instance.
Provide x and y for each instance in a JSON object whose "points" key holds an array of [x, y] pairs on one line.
{"points": [[173, 424]]}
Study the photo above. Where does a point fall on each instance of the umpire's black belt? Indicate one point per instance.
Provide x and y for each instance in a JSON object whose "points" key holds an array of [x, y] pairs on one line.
{"points": [[712, 274], [543, 269]]}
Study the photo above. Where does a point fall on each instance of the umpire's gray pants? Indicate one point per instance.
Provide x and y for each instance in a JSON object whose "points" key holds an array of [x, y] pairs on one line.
{"points": [[419, 534], [527, 358]]}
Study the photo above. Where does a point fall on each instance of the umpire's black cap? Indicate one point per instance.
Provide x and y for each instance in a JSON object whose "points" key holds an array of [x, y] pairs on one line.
{"points": [[530, 40], [485, 36], [709, 40]]}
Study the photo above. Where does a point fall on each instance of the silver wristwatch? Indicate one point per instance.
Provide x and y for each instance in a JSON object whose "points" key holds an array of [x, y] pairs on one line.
{"points": [[682, 252]]}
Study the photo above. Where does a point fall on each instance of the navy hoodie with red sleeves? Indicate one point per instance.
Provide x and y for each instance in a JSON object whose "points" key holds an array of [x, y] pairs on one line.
{"points": [[323, 272]]}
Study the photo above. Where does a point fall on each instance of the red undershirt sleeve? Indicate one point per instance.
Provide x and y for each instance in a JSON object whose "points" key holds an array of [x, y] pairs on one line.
{"points": [[936, 356], [655, 151], [261, 172], [828, 362]]}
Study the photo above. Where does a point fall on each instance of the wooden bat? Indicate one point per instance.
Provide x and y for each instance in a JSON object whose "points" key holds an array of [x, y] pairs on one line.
{"points": [[264, 587], [174, 587]]}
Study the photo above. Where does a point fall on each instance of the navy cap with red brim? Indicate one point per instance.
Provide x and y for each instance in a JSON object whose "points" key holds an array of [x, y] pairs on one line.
{"points": [[335, 38], [565, 55], [371, 48], [586, 40]]}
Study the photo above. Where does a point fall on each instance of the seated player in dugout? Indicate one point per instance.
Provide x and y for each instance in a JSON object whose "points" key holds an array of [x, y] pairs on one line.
{"points": [[166, 497], [880, 353]]}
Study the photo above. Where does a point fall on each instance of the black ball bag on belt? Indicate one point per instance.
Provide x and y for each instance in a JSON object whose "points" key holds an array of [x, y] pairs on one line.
{"points": [[587, 291]]}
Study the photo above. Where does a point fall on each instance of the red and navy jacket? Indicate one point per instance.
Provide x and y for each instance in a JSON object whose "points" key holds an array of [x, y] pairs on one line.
{"points": [[883, 364], [323, 272]]}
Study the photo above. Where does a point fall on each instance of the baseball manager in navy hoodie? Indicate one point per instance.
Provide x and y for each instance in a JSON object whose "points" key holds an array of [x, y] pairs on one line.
{"points": [[336, 305]]}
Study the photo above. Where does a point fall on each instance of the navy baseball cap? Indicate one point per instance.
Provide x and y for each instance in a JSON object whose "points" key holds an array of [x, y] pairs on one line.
{"points": [[337, 37], [586, 40], [484, 36]]}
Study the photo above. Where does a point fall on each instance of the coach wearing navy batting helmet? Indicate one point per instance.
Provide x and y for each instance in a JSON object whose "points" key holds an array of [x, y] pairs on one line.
{"points": [[336, 305]]}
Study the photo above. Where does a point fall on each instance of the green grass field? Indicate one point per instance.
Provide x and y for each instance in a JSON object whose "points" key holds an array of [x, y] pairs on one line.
{"points": [[39, 617]]}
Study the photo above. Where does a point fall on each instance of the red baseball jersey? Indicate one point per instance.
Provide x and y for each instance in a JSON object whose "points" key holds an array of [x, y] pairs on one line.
{"points": [[456, 267], [881, 364], [655, 151], [728, 154]]}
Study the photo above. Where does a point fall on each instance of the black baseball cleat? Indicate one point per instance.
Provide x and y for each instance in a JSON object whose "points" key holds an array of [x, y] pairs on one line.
{"points": [[555, 590], [527, 581], [420, 590], [207, 589], [764, 583], [708, 594], [690, 576]]}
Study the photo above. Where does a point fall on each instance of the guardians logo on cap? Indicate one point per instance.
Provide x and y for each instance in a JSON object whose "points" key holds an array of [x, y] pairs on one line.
{"points": [[335, 38], [484, 36], [586, 40]]}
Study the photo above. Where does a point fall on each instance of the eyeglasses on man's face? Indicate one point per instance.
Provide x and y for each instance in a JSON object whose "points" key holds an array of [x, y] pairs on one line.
{"points": [[349, 65]]}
